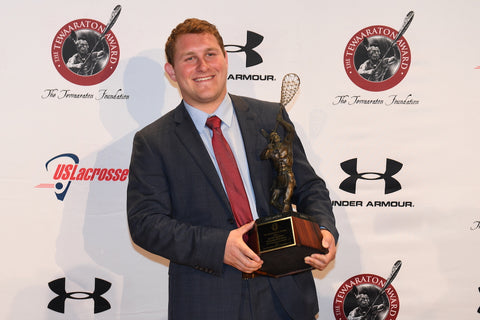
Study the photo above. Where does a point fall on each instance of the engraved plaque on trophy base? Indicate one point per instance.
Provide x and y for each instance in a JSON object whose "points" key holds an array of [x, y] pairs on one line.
{"points": [[283, 242]]}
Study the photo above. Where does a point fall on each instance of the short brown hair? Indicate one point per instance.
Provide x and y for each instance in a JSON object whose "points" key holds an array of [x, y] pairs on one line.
{"points": [[191, 25]]}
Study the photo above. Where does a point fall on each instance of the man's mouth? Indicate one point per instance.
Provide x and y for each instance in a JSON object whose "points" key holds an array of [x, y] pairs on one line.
{"points": [[204, 78]]}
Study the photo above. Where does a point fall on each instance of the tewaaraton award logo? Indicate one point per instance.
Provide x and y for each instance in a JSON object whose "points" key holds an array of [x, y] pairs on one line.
{"points": [[85, 51], [378, 57], [368, 296]]}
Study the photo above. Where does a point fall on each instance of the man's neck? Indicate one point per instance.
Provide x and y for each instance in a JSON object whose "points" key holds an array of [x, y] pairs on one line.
{"points": [[209, 107]]}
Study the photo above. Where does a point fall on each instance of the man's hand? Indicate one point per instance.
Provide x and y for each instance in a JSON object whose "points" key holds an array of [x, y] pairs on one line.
{"points": [[321, 261], [238, 254]]}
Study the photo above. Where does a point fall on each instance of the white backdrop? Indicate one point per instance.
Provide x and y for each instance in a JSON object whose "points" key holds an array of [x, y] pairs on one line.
{"points": [[431, 224]]}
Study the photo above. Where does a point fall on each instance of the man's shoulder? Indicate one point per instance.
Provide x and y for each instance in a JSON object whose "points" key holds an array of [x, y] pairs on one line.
{"points": [[164, 123], [249, 104], [253, 101]]}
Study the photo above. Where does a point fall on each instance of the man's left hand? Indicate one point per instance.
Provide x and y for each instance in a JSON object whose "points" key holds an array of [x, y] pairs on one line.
{"points": [[321, 261]]}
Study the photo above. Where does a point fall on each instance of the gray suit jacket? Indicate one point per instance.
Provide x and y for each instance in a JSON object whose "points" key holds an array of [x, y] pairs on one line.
{"points": [[177, 208]]}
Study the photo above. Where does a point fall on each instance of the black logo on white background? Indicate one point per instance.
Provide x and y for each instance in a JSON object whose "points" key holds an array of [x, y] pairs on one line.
{"points": [[475, 226], [350, 183], [478, 311], [100, 303], [253, 41]]}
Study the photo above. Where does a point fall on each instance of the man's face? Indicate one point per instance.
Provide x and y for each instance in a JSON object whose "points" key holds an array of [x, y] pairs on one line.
{"points": [[375, 54], [82, 46], [200, 69], [363, 300]]}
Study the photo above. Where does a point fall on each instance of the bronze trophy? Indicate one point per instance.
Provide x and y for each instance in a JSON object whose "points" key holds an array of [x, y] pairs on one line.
{"points": [[283, 240]]}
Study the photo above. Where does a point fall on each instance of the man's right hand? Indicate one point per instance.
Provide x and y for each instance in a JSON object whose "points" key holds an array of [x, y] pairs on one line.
{"points": [[238, 254]]}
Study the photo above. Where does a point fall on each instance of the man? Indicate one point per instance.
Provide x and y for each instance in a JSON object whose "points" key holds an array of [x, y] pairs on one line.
{"points": [[364, 311], [375, 68], [83, 62], [177, 201]]}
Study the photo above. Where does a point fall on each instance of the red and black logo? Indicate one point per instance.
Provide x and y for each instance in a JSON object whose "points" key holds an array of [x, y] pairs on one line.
{"points": [[377, 58], [85, 51], [66, 170], [367, 297]]}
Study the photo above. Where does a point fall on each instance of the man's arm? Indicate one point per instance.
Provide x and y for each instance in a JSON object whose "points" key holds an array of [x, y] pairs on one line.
{"points": [[151, 215]]}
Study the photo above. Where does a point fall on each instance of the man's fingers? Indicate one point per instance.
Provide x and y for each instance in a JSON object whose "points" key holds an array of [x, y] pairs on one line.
{"points": [[316, 261], [238, 254], [246, 227], [251, 265], [246, 264], [321, 261], [250, 254]]}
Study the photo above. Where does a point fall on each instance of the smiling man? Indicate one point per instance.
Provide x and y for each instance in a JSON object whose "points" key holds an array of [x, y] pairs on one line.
{"points": [[197, 183], [200, 68]]}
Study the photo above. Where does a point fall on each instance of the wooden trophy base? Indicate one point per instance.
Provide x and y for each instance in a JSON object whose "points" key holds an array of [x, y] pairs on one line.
{"points": [[283, 242]]}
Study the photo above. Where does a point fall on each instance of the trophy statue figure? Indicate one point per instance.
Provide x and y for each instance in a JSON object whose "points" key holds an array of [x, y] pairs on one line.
{"points": [[283, 240], [281, 152], [281, 155]]}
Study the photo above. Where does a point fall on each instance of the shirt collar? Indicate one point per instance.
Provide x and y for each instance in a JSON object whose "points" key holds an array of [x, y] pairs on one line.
{"points": [[224, 112]]}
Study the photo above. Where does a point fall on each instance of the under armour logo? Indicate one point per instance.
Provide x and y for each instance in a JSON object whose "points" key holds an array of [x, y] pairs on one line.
{"points": [[100, 303], [253, 41], [478, 311], [391, 184]]}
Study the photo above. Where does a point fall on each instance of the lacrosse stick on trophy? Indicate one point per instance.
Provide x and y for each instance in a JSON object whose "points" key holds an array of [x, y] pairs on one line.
{"points": [[285, 238]]}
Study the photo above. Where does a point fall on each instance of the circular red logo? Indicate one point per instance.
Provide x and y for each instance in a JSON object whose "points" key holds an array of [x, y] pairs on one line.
{"points": [[374, 61], [82, 54], [363, 296]]}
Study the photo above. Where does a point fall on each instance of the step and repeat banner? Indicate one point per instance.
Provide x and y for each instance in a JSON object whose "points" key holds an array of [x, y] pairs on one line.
{"points": [[388, 111]]}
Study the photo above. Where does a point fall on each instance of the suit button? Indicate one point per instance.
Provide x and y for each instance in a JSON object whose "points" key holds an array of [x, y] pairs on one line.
{"points": [[231, 221]]}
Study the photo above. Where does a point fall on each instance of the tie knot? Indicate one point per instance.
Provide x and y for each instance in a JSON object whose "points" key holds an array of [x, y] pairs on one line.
{"points": [[214, 122]]}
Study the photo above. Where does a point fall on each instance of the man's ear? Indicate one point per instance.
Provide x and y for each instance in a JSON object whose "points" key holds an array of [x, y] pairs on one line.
{"points": [[170, 71]]}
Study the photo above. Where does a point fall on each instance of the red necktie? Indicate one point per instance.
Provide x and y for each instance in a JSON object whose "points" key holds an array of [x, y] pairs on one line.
{"points": [[230, 174]]}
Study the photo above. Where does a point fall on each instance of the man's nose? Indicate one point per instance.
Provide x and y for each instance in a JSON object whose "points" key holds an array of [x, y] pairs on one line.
{"points": [[202, 64]]}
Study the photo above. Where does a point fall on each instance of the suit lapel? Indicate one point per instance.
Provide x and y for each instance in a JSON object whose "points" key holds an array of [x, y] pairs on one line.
{"points": [[188, 135], [254, 144]]}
